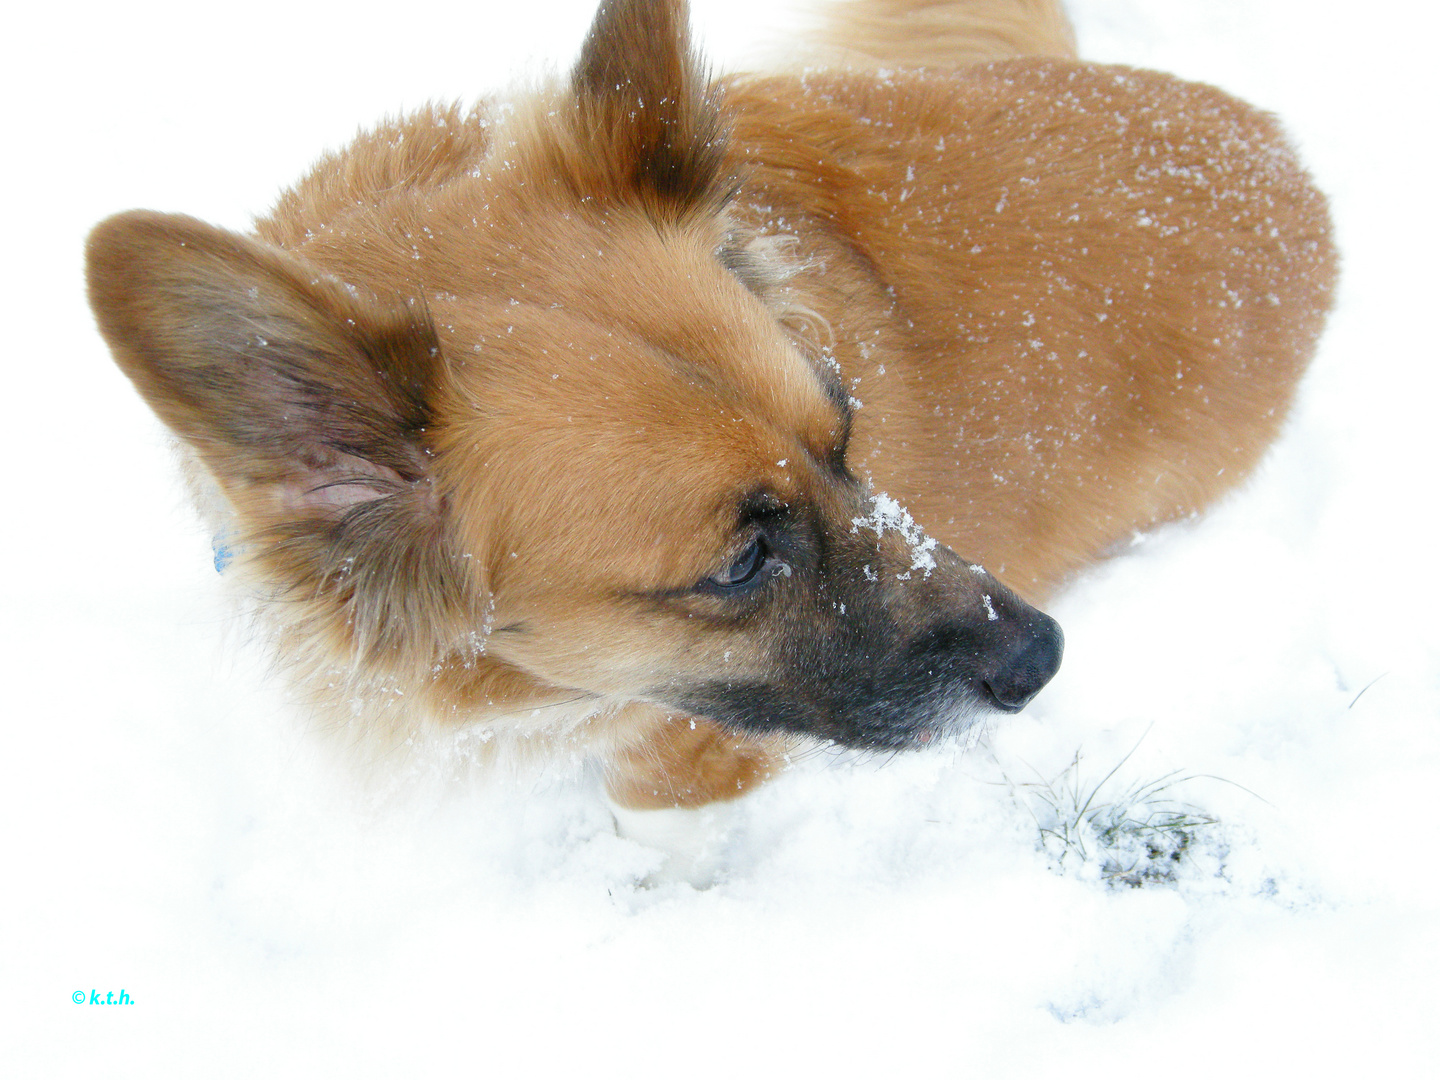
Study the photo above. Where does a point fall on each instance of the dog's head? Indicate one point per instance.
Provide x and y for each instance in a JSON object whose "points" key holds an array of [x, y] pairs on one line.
{"points": [[535, 430]]}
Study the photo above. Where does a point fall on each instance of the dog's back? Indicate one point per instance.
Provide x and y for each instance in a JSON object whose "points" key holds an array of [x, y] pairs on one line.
{"points": [[1073, 300]]}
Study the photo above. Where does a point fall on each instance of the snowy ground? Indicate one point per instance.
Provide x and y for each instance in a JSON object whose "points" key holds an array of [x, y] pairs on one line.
{"points": [[171, 830]]}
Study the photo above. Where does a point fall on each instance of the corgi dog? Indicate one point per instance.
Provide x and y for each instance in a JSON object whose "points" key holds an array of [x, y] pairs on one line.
{"points": [[678, 420]]}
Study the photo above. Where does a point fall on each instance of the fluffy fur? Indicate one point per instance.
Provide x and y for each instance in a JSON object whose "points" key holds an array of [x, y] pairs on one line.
{"points": [[573, 418]]}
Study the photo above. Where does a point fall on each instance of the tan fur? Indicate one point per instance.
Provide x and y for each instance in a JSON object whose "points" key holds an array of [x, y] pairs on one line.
{"points": [[493, 399], [1128, 348], [682, 761], [942, 34]]}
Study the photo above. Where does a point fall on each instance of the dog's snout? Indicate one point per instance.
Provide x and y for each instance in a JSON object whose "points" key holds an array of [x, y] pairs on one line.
{"points": [[1026, 665]]}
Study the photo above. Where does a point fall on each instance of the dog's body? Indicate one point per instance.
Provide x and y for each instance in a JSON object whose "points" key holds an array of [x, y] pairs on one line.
{"points": [[569, 419]]}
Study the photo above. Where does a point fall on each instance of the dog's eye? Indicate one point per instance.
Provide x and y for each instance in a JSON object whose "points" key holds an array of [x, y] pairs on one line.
{"points": [[745, 568]]}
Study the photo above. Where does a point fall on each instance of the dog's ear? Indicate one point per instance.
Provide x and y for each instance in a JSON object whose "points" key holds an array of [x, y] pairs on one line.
{"points": [[276, 375], [645, 102], [309, 405]]}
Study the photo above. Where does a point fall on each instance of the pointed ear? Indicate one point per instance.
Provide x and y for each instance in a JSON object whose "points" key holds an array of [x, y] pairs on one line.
{"points": [[282, 381], [309, 405], [646, 102]]}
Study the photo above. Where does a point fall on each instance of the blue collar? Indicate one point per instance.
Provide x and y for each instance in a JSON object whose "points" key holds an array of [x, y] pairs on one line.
{"points": [[224, 553]]}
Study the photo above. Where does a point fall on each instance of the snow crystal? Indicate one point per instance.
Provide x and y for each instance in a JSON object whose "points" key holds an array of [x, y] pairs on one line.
{"points": [[885, 514]]}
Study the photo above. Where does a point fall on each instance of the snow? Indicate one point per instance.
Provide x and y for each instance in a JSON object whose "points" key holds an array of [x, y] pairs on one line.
{"points": [[173, 830], [887, 514]]}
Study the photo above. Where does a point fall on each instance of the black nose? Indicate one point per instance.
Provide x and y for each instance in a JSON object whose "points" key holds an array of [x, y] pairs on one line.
{"points": [[1030, 662]]}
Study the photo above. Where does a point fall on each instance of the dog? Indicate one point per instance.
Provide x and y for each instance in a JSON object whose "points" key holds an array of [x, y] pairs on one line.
{"points": [[645, 416]]}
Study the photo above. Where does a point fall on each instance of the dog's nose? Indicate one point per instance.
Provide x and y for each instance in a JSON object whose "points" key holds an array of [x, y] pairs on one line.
{"points": [[1027, 665]]}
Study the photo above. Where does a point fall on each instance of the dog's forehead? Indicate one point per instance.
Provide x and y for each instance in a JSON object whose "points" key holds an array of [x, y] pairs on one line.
{"points": [[615, 267], [608, 443]]}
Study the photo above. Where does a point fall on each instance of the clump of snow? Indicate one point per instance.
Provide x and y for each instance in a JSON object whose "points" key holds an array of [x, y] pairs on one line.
{"points": [[887, 514]]}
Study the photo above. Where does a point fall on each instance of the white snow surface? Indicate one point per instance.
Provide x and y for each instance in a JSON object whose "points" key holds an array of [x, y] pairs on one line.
{"points": [[173, 829]]}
